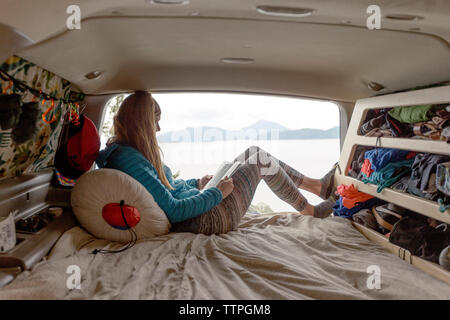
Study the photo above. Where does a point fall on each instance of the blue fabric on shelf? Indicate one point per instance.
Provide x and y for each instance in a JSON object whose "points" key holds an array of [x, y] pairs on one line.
{"points": [[380, 157], [341, 211], [390, 174]]}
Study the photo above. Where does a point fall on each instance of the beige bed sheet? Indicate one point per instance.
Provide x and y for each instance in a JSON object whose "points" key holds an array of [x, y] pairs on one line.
{"points": [[277, 256]]}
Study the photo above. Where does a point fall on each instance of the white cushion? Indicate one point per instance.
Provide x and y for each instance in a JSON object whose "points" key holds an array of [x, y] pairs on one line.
{"points": [[96, 188]]}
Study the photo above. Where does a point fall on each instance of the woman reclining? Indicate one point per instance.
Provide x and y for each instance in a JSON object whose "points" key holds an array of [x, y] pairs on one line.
{"points": [[134, 150]]}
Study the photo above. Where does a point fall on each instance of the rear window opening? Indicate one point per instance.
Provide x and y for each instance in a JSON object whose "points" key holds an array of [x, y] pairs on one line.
{"points": [[199, 131]]}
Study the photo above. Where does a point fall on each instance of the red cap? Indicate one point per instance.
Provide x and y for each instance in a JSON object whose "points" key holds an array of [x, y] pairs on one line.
{"points": [[78, 154]]}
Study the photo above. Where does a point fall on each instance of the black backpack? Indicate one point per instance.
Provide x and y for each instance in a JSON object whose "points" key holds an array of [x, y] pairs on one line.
{"points": [[421, 239], [10, 111]]}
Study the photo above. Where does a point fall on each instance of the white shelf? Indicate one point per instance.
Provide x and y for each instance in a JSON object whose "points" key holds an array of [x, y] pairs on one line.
{"points": [[438, 95]]}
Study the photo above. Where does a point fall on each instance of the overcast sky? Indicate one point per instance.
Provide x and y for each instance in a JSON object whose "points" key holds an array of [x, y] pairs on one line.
{"points": [[236, 111]]}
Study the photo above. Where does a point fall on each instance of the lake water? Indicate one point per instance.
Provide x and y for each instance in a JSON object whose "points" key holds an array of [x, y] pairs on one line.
{"points": [[314, 158]]}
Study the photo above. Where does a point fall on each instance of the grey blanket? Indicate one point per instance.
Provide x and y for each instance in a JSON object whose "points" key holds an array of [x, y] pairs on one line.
{"points": [[278, 256]]}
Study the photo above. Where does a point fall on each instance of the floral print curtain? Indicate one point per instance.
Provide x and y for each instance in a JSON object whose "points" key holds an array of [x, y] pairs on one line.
{"points": [[38, 152]]}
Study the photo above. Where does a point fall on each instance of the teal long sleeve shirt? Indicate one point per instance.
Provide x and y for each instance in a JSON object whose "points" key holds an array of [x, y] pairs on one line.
{"points": [[184, 202]]}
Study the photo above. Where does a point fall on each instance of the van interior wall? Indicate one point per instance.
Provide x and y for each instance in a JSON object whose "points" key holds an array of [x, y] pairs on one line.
{"points": [[345, 114], [96, 108]]}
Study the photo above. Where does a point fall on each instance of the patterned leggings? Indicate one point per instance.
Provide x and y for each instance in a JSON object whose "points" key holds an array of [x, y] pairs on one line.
{"points": [[282, 179]]}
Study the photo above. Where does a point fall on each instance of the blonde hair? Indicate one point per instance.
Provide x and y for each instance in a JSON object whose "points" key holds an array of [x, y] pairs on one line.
{"points": [[135, 125]]}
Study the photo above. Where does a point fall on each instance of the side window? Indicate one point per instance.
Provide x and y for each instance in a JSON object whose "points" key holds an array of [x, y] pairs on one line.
{"points": [[107, 129], [201, 130]]}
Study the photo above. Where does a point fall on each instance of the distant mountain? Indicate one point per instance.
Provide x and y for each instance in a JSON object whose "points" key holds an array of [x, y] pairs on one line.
{"points": [[260, 130], [266, 125], [332, 133]]}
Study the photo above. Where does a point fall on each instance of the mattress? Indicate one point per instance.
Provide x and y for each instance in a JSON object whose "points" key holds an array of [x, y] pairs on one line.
{"points": [[273, 256]]}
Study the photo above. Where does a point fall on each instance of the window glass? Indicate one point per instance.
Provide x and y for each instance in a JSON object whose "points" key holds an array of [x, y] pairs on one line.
{"points": [[201, 130]]}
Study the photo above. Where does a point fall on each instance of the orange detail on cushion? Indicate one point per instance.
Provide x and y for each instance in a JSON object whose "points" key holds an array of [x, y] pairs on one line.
{"points": [[112, 214]]}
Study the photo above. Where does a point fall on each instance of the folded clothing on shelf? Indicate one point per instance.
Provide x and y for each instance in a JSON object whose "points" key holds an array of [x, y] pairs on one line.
{"points": [[340, 210], [422, 182], [380, 157], [351, 201], [446, 134], [390, 174], [420, 122], [436, 128], [443, 178], [366, 168], [381, 124], [424, 175], [384, 167], [398, 129], [358, 161], [401, 184], [412, 114], [351, 197], [374, 123]]}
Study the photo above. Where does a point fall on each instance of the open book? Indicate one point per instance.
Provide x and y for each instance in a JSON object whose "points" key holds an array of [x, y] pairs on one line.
{"points": [[226, 169]]}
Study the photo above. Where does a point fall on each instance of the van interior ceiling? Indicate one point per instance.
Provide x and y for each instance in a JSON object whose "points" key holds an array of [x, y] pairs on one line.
{"points": [[66, 54], [330, 54]]}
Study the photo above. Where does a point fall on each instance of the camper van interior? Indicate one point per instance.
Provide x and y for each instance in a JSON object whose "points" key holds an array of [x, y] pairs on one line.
{"points": [[77, 221]]}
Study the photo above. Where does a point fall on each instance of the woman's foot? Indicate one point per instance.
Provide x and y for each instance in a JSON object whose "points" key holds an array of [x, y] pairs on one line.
{"points": [[327, 188], [308, 210], [324, 209]]}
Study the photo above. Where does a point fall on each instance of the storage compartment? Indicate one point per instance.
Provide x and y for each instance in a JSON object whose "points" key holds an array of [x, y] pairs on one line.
{"points": [[407, 171], [425, 265], [357, 143], [35, 223], [426, 122], [432, 203], [408, 234], [32, 246]]}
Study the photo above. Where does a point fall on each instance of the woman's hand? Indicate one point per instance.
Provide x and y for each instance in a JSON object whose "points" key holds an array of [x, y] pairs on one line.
{"points": [[226, 186], [203, 181]]}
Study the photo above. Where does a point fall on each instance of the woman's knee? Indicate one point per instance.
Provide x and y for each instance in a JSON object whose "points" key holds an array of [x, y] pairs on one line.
{"points": [[260, 157], [254, 150]]}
